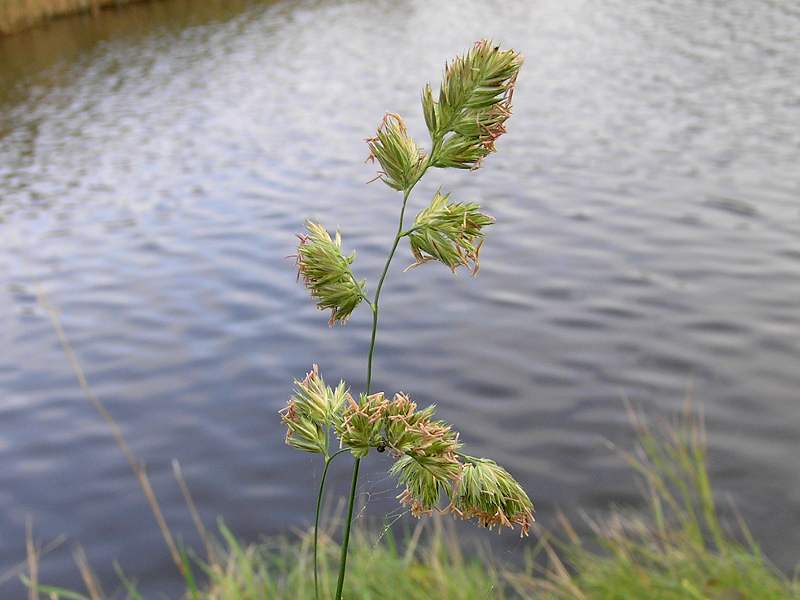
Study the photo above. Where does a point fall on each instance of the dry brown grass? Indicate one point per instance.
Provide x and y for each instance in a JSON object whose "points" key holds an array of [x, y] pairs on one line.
{"points": [[16, 15], [136, 466]]}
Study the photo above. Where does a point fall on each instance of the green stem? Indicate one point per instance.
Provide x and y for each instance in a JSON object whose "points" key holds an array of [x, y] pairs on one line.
{"points": [[348, 523], [328, 460], [397, 238], [354, 485], [408, 232]]}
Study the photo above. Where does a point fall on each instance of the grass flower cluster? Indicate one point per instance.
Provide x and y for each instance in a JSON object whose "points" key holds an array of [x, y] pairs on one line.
{"points": [[488, 493], [428, 463], [402, 161], [326, 272], [473, 105], [449, 232], [312, 410]]}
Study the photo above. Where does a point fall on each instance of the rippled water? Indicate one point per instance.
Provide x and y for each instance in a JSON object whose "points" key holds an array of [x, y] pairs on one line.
{"points": [[155, 165]]}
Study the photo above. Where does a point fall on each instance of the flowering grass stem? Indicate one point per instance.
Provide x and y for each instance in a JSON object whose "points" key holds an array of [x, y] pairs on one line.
{"points": [[473, 104]]}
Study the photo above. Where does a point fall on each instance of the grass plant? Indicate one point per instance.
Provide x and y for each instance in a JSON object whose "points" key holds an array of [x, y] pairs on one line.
{"points": [[464, 122]]}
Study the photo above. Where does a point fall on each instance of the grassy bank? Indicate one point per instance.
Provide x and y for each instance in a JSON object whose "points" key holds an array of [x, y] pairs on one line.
{"points": [[16, 15], [679, 549]]}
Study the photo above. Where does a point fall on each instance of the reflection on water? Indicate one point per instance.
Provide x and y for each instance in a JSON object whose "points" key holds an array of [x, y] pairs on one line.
{"points": [[156, 163]]}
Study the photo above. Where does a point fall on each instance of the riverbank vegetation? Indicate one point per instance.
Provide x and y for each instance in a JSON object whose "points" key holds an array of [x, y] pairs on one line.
{"points": [[16, 15], [678, 549]]}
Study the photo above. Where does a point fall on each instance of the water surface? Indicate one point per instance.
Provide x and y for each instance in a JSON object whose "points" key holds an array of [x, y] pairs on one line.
{"points": [[155, 165]]}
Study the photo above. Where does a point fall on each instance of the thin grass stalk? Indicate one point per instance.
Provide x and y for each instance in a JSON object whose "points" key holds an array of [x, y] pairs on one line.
{"points": [[413, 542], [347, 525], [320, 493], [211, 554], [376, 300], [137, 468], [18, 570], [89, 579], [375, 309], [33, 561]]}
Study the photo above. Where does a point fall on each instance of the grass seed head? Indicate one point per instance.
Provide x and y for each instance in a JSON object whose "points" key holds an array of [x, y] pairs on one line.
{"points": [[327, 274], [473, 105], [400, 158], [449, 232], [488, 493], [312, 409], [361, 427]]}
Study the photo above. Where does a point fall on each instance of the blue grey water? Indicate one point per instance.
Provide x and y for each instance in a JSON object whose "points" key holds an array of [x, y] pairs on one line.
{"points": [[156, 163]]}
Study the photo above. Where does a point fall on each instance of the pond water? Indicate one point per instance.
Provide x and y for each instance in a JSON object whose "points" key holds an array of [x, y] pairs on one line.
{"points": [[156, 163]]}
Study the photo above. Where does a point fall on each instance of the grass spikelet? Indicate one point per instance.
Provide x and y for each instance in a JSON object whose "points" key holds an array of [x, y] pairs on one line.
{"points": [[400, 158], [473, 105], [449, 232], [326, 273], [362, 424], [311, 411], [488, 493]]}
